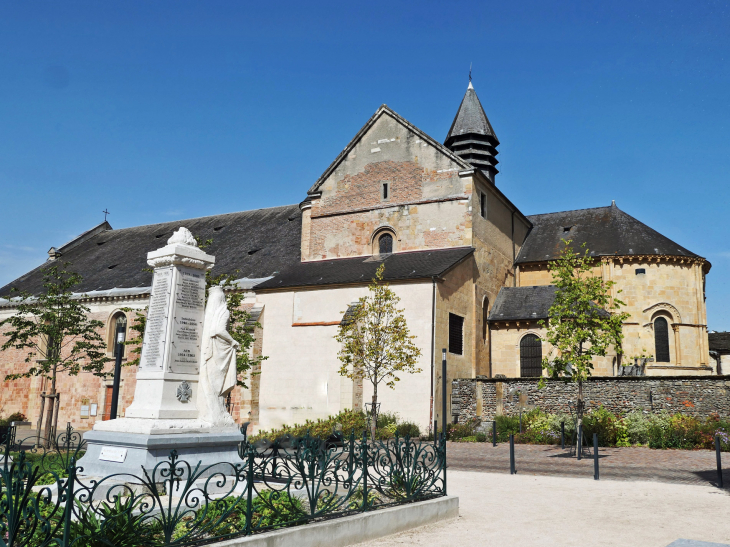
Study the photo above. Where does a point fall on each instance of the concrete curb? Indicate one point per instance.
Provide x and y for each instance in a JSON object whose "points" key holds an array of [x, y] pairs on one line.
{"points": [[356, 528]]}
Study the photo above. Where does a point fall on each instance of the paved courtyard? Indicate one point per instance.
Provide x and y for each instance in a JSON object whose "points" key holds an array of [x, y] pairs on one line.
{"points": [[544, 511], [627, 464]]}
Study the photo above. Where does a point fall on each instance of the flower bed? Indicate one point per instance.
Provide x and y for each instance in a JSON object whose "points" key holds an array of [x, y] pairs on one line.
{"points": [[634, 429]]}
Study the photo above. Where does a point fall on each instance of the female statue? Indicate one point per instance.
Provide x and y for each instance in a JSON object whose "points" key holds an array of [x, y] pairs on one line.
{"points": [[218, 366]]}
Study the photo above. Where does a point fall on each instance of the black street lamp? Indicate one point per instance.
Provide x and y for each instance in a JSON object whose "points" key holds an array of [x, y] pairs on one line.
{"points": [[119, 347]]}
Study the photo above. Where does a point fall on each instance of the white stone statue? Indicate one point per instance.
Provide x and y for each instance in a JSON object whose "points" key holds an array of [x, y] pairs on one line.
{"points": [[218, 363]]}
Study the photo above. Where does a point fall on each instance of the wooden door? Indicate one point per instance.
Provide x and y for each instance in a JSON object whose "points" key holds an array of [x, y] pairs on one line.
{"points": [[107, 404]]}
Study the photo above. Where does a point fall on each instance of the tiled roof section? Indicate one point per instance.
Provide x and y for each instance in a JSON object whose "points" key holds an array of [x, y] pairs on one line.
{"points": [[256, 243], [521, 303], [470, 118], [515, 303], [605, 231], [720, 342], [398, 266]]}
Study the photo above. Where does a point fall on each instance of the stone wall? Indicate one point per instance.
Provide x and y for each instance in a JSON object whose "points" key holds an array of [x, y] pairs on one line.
{"points": [[698, 396]]}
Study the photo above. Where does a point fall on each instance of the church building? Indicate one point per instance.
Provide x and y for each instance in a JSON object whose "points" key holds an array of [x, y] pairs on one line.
{"points": [[470, 268]]}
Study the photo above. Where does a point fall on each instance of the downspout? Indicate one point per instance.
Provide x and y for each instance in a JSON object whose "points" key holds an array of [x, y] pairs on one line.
{"points": [[433, 345]]}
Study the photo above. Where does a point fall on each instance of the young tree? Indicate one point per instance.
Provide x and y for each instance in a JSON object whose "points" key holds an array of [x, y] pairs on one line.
{"points": [[583, 321], [55, 329], [376, 342]]}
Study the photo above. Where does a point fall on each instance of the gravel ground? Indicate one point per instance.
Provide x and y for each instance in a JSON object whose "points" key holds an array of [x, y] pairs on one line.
{"points": [[523, 510]]}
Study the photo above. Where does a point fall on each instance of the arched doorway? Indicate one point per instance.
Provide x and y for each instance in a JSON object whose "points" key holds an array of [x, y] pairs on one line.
{"points": [[530, 356]]}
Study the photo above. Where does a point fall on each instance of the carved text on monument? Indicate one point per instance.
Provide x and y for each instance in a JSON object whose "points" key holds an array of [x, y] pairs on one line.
{"points": [[154, 339], [187, 328]]}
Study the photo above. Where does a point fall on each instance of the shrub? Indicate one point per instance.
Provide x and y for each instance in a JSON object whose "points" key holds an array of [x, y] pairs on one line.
{"points": [[481, 437], [17, 417], [603, 422], [410, 429], [350, 420]]}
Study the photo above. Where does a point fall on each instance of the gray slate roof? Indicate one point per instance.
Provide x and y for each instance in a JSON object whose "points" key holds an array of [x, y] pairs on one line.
{"points": [[720, 342], [515, 303], [257, 243], [406, 265], [470, 118], [605, 230]]}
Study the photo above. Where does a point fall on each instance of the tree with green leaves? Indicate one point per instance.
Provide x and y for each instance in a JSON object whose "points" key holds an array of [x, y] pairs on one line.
{"points": [[584, 321], [55, 329], [376, 342]]}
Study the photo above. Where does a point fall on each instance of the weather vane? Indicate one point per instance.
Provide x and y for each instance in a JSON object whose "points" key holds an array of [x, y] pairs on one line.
{"points": [[105, 214], [469, 72]]}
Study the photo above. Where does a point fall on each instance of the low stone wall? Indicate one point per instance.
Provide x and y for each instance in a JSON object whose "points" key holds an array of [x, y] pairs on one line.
{"points": [[693, 395]]}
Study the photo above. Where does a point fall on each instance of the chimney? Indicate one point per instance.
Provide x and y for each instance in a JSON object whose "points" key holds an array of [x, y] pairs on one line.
{"points": [[53, 254]]}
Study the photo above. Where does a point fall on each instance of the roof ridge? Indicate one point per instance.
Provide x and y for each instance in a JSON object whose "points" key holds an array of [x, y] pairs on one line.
{"points": [[574, 210], [207, 216]]}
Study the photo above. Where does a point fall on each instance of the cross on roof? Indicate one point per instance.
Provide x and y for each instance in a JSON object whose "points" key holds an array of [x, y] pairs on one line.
{"points": [[105, 214]]}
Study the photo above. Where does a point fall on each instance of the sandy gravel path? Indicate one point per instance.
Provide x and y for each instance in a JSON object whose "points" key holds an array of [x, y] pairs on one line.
{"points": [[523, 510]]}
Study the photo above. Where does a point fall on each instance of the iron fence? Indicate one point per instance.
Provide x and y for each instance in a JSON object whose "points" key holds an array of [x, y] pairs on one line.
{"points": [[47, 500]]}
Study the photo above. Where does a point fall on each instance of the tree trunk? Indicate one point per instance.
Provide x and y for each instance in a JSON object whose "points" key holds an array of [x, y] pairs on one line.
{"points": [[579, 412], [48, 433], [374, 414]]}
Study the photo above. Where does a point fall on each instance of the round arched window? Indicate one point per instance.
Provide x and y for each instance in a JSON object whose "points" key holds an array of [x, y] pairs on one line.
{"points": [[530, 356], [661, 340], [385, 244]]}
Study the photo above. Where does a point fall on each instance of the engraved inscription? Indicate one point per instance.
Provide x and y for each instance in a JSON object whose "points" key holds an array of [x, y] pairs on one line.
{"points": [[187, 329], [153, 347]]}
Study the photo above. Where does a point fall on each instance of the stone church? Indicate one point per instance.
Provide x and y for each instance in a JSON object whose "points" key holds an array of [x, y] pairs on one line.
{"points": [[469, 267]]}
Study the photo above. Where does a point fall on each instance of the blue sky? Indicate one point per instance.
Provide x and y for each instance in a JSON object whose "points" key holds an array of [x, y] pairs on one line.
{"points": [[170, 110]]}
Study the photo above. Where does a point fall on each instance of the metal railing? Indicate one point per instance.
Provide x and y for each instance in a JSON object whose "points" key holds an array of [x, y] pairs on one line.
{"points": [[45, 499]]}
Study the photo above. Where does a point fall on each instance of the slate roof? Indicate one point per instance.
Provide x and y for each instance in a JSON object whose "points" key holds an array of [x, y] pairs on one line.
{"points": [[514, 303], [519, 303], [257, 243], [470, 118], [720, 342], [605, 230], [398, 266]]}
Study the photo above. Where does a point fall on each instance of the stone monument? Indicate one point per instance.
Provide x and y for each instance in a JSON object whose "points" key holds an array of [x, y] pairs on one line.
{"points": [[174, 406]]}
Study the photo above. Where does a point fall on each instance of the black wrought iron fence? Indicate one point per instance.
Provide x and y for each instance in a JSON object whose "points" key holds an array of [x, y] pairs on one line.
{"points": [[47, 500]]}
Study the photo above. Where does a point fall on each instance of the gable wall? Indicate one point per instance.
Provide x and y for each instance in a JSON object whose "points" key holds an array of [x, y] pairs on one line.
{"points": [[427, 207]]}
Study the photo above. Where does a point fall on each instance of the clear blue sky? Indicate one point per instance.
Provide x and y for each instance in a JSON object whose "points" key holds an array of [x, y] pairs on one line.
{"points": [[170, 110]]}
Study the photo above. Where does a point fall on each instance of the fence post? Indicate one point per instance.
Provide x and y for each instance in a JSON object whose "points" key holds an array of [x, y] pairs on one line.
{"points": [[494, 433], [596, 475], [580, 441], [249, 491], [562, 434], [512, 469], [443, 452], [364, 472], [719, 461], [68, 509]]}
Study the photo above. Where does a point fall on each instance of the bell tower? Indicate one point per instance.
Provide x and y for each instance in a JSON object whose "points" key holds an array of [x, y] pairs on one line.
{"points": [[471, 136]]}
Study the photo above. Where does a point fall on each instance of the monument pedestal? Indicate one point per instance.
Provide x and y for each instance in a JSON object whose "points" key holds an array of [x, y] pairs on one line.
{"points": [[110, 453], [164, 414]]}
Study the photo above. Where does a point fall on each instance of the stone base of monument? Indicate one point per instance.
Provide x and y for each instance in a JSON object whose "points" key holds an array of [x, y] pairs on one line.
{"points": [[112, 452]]}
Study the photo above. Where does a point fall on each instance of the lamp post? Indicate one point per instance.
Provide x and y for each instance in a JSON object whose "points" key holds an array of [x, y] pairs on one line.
{"points": [[443, 391], [117, 375]]}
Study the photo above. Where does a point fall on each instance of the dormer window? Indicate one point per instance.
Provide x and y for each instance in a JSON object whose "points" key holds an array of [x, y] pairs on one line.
{"points": [[566, 229]]}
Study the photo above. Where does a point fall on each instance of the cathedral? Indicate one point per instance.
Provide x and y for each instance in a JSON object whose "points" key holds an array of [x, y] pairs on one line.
{"points": [[470, 268]]}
